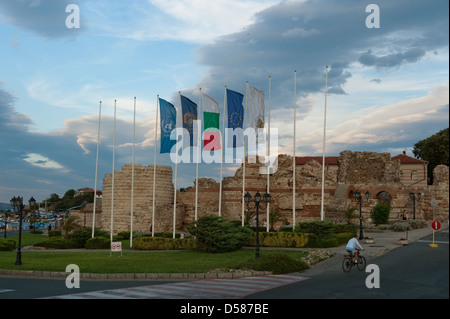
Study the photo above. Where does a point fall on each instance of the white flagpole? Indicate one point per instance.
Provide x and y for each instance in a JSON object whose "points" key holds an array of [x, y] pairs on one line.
{"points": [[268, 163], [176, 172], [243, 172], [322, 214], [199, 129], [96, 169], [222, 148], [132, 177], [154, 167], [293, 160], [113, 172]]}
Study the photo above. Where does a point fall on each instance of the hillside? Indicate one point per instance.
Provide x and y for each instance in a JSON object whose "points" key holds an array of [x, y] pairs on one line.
{"points": [[5, 206]]}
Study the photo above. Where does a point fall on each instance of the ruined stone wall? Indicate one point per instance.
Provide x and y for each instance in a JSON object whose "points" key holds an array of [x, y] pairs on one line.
{"points": [[362, 171], [143, 198], [438, 195], [367, 167], [308, 191]]}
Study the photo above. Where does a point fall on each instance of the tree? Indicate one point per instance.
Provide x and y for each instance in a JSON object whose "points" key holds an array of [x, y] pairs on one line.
{"points": [[380, 214], [70, 223], [434, 150]]}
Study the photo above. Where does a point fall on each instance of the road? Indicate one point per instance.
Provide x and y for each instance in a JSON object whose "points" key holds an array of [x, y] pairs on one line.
{"points": [[410, 272], [416, 271]]}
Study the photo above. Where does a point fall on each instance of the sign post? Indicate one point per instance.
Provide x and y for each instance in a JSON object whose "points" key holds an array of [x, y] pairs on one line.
{"points": [[436, 226]]}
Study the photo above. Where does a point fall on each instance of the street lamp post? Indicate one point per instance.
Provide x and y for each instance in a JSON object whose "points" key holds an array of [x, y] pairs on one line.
{"points": [[413, 198], [17, 202], [359, 198], [257, 203]]}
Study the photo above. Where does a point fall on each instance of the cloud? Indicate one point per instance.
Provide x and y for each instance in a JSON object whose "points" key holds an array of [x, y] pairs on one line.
{"points": [[45, 18], [308, 35], [11, 121], [403, 123], [199, 21], [409, 56], [43, 162]]}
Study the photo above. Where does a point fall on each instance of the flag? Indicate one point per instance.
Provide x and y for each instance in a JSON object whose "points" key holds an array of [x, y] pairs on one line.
{"points": [[189, 113], [235, 118], [168, 115], [255, 115], [211, 115]]}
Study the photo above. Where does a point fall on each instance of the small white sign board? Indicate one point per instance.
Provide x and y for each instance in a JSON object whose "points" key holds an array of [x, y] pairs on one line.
{"points": [[116, 246]]}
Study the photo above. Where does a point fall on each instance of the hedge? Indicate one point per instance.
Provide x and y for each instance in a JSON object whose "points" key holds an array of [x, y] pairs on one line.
{"points": [[277, 263], [279, 239], [56, 243], [99, 242], [7, 244], [158, 243]]}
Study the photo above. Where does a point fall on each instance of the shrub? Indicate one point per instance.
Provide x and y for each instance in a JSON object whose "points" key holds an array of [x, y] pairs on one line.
{"points": [[380, 214], [56, 243], [279, 239], [158, 243], [277, 263], [316, 229], [54, 233], [125, 234], [216, 234], [415, 223], [345, 228], [401, 226], [343, 238], [79, 237], [322, 242], [99, 242], [7, 244]]}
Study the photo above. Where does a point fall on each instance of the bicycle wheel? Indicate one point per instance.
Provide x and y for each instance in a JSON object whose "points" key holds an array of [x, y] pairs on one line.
{"points": [[361, 263], [347, 264]]}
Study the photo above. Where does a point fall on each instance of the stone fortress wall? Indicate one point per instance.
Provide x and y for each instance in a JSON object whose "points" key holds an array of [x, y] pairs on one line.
{"points": [[377, 173]]}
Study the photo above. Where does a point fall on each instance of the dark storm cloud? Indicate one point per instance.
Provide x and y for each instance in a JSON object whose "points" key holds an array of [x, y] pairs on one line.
{"points": [[307, 36]]}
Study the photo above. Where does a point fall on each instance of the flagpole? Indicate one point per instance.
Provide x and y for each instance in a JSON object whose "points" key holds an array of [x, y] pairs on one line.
{"points": [[223, 147], [198, 149], [268, 163], [113, 172], [322, 215], [132, 176], [243, 172], [293, 160], [176, 172], [154, 167], [96, 169]]}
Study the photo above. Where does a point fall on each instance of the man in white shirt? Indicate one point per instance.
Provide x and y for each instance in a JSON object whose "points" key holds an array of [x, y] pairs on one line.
{"points": [[352, 244]]}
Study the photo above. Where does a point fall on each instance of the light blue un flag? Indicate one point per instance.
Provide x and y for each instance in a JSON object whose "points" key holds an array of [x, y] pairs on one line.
{"points": [[168, 115]]}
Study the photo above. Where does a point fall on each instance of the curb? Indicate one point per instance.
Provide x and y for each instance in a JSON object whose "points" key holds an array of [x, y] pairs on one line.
{"points": [[134, 276]]}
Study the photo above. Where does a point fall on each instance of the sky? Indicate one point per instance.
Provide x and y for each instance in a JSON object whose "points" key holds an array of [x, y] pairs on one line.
{"points": [[387, 83]]}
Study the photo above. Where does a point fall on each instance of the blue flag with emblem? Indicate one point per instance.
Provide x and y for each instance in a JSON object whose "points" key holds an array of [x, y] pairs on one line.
{"points": [[235, 119], [189, 113], [168, 116]]}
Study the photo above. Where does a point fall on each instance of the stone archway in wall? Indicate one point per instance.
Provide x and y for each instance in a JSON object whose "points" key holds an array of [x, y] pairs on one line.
{"points": [[384, 197]]}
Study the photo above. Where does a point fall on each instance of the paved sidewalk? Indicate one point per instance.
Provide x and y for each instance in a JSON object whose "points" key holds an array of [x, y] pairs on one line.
{"points": [[383, 241]]}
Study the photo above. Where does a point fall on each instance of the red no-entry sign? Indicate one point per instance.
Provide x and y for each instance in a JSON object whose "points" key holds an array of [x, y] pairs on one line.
{"points": [[436, 225]]}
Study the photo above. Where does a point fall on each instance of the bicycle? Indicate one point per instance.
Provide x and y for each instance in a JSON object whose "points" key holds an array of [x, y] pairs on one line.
{"points": [[348, 261]]}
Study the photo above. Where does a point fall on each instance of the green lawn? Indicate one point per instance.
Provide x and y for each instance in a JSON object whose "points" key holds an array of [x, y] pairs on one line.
{"points": [[130, 262]]}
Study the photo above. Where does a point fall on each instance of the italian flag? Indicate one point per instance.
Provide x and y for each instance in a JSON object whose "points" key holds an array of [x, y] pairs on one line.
{"points": [[211, 133]]}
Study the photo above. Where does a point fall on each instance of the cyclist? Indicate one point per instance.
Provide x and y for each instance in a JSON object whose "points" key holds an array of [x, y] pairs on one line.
{"points": [[352, 244]]}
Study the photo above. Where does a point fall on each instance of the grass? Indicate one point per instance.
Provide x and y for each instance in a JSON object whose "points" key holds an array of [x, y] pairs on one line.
{"points": [[131, 261]]}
